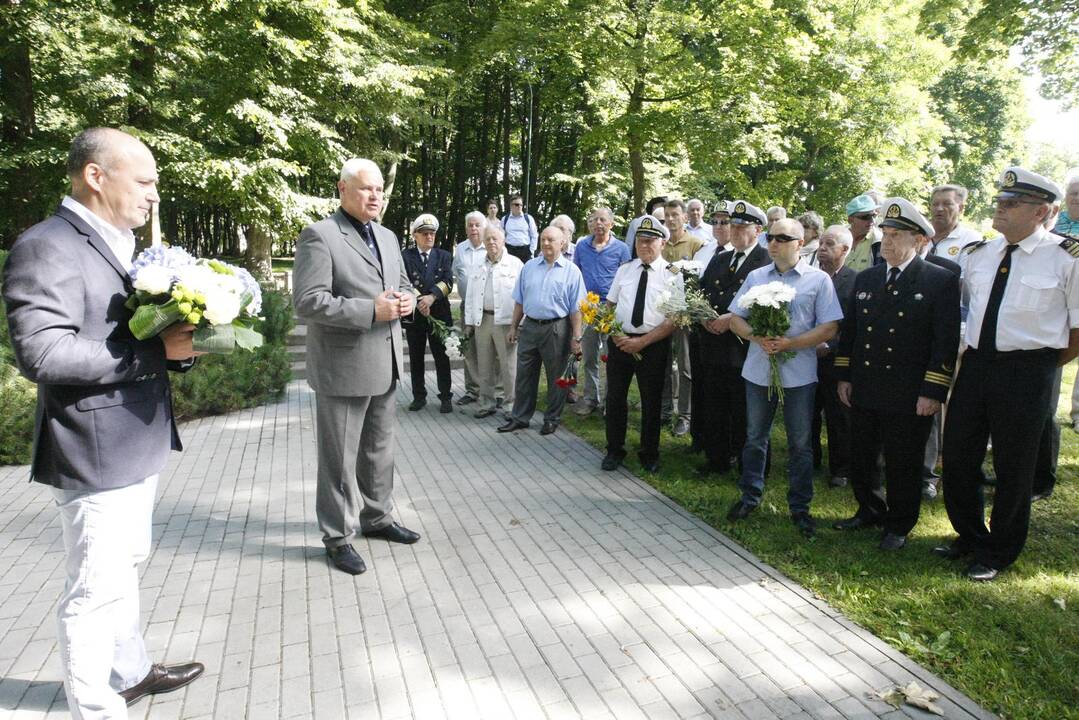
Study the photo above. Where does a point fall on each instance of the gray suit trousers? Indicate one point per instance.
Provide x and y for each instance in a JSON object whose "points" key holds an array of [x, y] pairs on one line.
{"points": [[545, 346], [355, 464]]}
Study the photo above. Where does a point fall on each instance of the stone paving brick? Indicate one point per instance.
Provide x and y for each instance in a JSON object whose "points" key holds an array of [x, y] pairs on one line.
{"points": [[543, 588]]}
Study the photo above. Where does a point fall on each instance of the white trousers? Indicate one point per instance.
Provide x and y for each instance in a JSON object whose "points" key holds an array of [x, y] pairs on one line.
{"points": [[106, 536]]}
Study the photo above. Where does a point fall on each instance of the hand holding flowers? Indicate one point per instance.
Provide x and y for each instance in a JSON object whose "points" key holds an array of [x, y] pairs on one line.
{"points": [[770, 319], [600, 316]]}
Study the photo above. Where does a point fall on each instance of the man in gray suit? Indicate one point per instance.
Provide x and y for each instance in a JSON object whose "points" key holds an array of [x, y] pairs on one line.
{"points": [[104, 424], [351, 287]]}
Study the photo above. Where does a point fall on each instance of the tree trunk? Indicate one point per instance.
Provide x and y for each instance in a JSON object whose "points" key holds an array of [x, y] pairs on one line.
{"points": [[143, 66], [635, 145], [258, 257], [19, 123]]}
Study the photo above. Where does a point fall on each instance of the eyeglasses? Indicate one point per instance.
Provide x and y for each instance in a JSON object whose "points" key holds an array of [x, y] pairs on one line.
{"points": [[517, 204], [865, 216], [1008, 204], [721, 223], [781, 238]]}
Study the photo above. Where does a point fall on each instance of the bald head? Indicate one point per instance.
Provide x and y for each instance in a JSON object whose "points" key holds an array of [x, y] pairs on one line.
{"points": [[100, 146], [787, 226], [114, 175]]}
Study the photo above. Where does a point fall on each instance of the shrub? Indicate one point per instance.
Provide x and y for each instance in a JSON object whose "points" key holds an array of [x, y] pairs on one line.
{"points": [[18, 399]]}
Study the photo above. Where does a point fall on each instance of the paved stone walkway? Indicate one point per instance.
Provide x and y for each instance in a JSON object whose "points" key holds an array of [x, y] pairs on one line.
{"points": [[543, 588]]}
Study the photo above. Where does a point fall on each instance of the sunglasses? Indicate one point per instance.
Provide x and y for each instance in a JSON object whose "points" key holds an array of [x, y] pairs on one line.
{"points": [[721, 223], [865, 216], [781, 238]]}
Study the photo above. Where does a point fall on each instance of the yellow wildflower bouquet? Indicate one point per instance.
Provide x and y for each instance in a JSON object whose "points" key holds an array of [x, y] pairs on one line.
{"points": [[599, 316]]}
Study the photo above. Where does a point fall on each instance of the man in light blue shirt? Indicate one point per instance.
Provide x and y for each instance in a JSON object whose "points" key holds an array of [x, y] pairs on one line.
{"points": [[815, 314], [520, 229], [598, 256], [547, 321]]}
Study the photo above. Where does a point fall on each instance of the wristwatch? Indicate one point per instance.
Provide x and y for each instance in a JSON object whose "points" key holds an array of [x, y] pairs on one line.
{"points": [[578, 339]]}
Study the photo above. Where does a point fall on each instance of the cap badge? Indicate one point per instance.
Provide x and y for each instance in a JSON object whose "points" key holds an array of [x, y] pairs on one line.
{"points": [[740, 207], [1009, 179], [894, 211], [953, 250]]}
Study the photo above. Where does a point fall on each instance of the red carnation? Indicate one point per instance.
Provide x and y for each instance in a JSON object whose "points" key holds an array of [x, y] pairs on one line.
{"points": [[603, 357]]}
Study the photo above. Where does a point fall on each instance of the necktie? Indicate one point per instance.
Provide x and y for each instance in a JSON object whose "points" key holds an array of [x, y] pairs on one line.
{"points": [[737, 259], [987, 340], [893, 275], [369, 238], [423, 257], [637, 318]]}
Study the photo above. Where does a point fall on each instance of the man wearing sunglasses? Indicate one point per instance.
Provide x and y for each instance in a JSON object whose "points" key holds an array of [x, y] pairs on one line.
{"points": [[862, 216], [1023, 321], [894, 366], [815, 314]]}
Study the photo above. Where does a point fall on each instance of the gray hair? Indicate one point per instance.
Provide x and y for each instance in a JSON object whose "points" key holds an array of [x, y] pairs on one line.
{"points": [[781, 212], [841, 233], [495, 230], [475, 215], [565, 224], [95, 145], [355, 166], [695, 201], [597, 211], [961, 192], [811, 221], [1073, 180]]}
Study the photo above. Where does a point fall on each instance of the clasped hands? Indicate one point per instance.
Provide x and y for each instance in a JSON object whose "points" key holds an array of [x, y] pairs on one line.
{"points": [[393, 304], [629, 345], [774, 345]]}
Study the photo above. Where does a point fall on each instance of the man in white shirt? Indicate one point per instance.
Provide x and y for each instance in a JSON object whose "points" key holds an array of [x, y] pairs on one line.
{"points": [[695, 224], [949, 237], [468, 255], [642, 350]]}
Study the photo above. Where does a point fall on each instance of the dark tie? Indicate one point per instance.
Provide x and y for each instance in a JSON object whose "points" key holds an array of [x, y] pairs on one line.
{"points": [[737, 259], [369, 238], [893, 275], [637, 318], [987, 340], [423, 257]]}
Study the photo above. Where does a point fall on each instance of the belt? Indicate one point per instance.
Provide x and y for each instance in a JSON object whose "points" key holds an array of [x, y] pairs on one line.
{"points": [[634, 334], [488, 312], [1017, 354], [544, 322]]}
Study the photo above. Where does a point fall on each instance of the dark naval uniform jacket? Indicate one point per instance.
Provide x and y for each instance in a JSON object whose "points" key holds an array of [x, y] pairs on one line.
{"points": [[720, 285], [900, 342], [434, 279]]}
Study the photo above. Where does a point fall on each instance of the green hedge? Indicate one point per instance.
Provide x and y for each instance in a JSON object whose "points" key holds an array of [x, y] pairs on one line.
{"points": [[217, 384]]}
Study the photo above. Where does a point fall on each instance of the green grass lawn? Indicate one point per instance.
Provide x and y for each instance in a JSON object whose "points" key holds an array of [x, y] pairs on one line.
{"points": [[1012, 645]]}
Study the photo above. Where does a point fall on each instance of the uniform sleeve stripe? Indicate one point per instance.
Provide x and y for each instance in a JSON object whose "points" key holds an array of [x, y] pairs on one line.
{"points": [[942, 376], [842, 362]]}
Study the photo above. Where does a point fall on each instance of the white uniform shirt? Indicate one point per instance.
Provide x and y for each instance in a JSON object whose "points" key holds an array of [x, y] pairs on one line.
{"points": [[503, 278], [465, 259], [956, 240], [704, 255], [623, 293], [1041, 300], [702, 232], [121, 242]]}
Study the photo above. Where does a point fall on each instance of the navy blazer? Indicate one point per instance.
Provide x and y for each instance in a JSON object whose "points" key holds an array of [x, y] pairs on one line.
{"points": [[434, 279], [720, 286], [104, 406]]}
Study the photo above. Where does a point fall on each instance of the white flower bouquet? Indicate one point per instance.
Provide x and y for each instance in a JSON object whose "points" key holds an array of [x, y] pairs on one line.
{"points": [[221, 300], [769, 307], [451, 336], [684, 304]]}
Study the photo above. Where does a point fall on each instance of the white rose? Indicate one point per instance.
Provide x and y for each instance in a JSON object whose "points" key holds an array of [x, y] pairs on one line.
{"points": [[154, 279], [222, 306]]}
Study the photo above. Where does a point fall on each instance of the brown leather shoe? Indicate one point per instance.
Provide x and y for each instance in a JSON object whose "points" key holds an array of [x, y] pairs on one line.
{"points": [[162, 679]]}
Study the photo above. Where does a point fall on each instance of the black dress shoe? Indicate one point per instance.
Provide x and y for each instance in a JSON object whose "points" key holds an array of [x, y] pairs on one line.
{"points": [[162, 679], [417, 404], [892, 541], [346, 559], [447, 406], [512, 426], [612, 461], [394, 533], [650, 466], [929, 490], [805, 524], [484, 413], [548, 428], [1044, 495], [740, 511], [953, 551], [466, 399], [981, 573], [856, 523], [838, 481]]}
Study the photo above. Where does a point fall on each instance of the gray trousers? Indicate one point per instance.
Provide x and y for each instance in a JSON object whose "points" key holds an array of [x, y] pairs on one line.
{"points": [[355, 464], [592, 346], [678, 382], [497, 359], [547, 346], [472, 368]]}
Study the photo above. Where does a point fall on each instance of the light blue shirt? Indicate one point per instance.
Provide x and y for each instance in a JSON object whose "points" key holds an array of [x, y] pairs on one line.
{"points": [[550, 291], [521, 231], [599, 266], [815, 303]]}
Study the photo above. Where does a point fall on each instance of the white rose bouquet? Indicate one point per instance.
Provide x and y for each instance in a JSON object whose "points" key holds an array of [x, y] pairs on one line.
{"points": [[221, 300], [769, 307], [683, 302], [451, 336]]}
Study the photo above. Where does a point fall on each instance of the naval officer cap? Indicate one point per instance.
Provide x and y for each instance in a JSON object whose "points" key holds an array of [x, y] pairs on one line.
{"points": [[744, 213], [723, 207], [652, 226], [424, 222], [900, 213], [1017, 183]]}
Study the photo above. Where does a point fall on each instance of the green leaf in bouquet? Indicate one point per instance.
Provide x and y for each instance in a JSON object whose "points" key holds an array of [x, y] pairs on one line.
{"points": [[246, 338], [149, 320], [215, 339]]}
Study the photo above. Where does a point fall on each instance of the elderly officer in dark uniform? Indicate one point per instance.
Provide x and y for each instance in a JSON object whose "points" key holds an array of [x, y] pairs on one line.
{"points": [[1022, 322], [894, 364], [431, 271], [723, 391]]}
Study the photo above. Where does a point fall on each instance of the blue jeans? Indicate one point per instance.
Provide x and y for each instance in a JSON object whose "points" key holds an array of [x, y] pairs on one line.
{"points": [[798, 418]]}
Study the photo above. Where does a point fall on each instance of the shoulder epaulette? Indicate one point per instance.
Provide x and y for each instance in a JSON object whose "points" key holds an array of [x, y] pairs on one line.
{"points": [[1070, 245], [972, 246]]}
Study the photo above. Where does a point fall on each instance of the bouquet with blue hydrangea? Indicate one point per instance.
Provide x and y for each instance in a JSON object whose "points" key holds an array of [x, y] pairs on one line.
{"points": [[222, 301]]}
